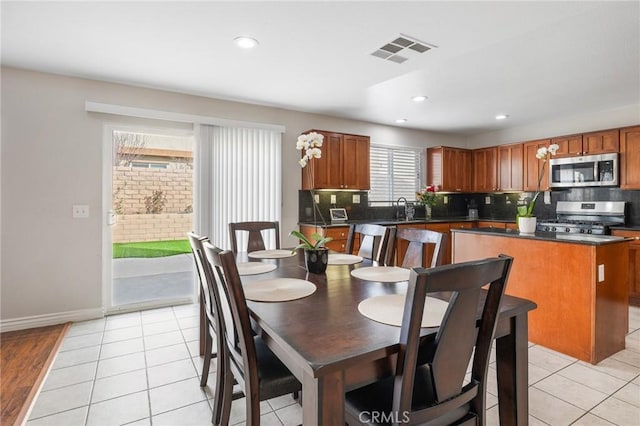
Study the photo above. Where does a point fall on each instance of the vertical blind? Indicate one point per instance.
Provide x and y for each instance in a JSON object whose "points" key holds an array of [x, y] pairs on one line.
{"points": [[395, 172], [244, 180]]}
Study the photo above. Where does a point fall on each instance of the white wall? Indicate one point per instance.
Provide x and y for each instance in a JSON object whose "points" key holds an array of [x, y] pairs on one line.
{"points": [[51, 158]]}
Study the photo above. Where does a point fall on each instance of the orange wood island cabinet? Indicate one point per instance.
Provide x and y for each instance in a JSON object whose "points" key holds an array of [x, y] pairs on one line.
{"points": [[634, 263], [580, 288]]}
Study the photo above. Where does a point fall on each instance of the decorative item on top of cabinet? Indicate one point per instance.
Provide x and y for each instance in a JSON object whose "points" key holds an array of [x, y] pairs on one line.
{"points": [[630, 158], [344, 163], [485, 170], [634, 264], [532, 166], [510, 167], [449, 168]]}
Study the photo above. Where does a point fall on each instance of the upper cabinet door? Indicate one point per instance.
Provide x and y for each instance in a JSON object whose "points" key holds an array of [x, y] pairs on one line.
{"points": [[510, 167], [532, 166], [355, 160], [630, 158], [485, 176], [449, 169]]}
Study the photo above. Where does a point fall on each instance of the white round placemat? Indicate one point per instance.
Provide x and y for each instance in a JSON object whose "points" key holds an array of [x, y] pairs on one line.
{"points": [[389, 308], [343, 259], [253, 268], [385, 274], [271, 254], [278, 289]]}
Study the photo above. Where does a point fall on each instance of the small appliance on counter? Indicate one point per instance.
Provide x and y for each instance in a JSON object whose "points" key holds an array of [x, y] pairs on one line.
{"points": [[590, 217]]}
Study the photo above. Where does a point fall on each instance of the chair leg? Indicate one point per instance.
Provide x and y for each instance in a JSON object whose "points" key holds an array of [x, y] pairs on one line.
{"points": [[207, 359], [218, 393], [226, 395]]}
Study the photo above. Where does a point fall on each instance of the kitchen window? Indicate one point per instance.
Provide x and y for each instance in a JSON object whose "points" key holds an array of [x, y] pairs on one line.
{"points": [[395, 172]]}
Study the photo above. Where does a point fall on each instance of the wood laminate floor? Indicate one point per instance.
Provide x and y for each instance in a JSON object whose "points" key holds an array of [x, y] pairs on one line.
{"points": [[25, 356]]}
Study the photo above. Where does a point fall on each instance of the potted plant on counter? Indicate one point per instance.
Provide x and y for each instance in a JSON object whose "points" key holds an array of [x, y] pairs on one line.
{"points": [[316, 255], [525, 218]]}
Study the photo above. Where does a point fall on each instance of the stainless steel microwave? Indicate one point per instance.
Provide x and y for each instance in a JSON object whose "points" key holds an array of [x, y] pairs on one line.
{"points": [[586, 170]]}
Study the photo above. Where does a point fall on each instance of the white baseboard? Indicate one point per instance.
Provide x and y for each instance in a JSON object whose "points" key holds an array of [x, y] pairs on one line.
{"points": [[50, 319]]}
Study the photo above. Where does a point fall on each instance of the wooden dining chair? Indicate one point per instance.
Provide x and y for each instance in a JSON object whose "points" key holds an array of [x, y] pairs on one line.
{"points": [[203, 270], [255, 240], [420, 241], [245, 357], [374, 241], [435, 392]]}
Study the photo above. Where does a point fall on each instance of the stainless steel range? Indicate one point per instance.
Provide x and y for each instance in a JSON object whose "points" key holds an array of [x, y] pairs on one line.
{"points": [[592, 217]]}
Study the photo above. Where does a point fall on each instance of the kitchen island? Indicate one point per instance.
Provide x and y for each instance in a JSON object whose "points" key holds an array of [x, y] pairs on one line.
{"points": [[579, 283]]}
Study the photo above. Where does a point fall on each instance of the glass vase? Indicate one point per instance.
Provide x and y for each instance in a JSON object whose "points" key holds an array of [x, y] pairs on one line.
{"points": [[427, 212]]}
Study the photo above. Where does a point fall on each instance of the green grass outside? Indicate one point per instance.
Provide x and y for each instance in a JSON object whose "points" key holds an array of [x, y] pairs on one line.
{"points": [[151, 249]]}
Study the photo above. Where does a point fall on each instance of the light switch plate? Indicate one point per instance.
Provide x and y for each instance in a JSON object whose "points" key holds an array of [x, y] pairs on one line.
{"points": [[80, 211], [356, 199], [316, 198], [487, 200], [333, 199], [445, 199]]}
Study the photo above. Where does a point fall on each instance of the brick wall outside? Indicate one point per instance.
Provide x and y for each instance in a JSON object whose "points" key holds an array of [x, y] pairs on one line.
{"points": [[130, 188], [152, 227]]}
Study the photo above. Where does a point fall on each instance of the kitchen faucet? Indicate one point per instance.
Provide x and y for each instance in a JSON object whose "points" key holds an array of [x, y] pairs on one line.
{"points": [[401, 214]]}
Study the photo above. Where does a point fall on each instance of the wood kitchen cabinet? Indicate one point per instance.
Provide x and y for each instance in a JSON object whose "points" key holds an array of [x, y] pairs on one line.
{"points": [[593, 143], [449, 169], [344, 163], [634, 264], [485, 170], [532, 166], [630, 158], [510, 167], [338, 233]]}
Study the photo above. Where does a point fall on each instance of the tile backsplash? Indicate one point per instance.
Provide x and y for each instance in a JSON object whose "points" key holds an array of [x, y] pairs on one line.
{"points": [[498, 206]]}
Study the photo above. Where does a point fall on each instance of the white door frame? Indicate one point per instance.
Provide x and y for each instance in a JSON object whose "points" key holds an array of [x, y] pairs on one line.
{"points": [[107, 204]]}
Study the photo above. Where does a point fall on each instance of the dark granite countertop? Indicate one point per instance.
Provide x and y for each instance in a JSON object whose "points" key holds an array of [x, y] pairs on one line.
{"points": [[547, 236], [407, 222]]}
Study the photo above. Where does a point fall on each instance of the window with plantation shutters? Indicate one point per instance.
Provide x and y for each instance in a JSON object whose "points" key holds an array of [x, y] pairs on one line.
{"points": [[395, 172]]}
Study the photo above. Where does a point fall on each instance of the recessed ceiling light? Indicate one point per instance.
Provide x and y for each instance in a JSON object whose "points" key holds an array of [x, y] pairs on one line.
{"points": [[401, 120], [501, 116], [246, 42], [420, 98]]}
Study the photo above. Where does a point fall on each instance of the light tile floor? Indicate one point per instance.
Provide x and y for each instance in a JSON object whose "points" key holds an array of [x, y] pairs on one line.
{"points": [[142, 368]]}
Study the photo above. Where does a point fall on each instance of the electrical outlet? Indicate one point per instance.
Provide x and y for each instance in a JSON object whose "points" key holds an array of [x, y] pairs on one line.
{"points": [[600, 273], [445, 199], [547, 197], [80, 211], [316, 197], [355, 199], [487, 200], [333, 199]]}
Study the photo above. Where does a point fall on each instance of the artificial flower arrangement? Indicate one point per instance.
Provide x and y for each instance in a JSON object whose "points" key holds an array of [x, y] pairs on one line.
{"points": [[544, 153], [427, 197]]}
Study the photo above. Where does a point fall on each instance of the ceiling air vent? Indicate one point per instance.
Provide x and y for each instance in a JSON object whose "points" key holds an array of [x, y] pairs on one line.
{"points": [[401, 49]]}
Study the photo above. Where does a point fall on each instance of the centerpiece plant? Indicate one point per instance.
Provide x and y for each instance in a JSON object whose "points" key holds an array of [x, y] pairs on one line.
{"points": [[316, 254], [526, 211]]}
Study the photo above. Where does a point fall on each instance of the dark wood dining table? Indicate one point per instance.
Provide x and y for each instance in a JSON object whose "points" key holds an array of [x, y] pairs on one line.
{"points": [[332, 348]]}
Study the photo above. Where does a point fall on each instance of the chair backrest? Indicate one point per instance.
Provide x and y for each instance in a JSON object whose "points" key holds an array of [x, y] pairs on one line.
{"points": [[203, 270], [374, 241], [449, 354], [419, 240], [236, 332], [256, 240]]}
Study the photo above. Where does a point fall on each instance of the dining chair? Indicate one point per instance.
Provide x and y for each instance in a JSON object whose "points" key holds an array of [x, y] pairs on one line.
{"points": [[435, 392], [203, 270], [255, 240], [374, 241], [420, 240], [245, 356]]}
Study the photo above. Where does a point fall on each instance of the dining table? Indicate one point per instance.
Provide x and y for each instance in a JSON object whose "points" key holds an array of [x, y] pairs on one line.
{"points": [[332, 348]]}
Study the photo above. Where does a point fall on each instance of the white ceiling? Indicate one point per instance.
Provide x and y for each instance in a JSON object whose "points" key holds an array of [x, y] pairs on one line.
{"points": [[535, 61]]}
